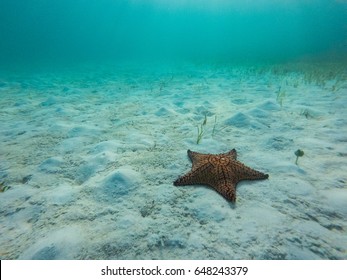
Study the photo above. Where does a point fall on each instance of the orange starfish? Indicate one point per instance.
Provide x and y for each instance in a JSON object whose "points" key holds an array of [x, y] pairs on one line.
{"points": [[222, 172]]}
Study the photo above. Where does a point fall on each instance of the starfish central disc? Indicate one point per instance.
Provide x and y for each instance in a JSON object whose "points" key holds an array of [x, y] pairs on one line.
{"points": [[221, 161]]}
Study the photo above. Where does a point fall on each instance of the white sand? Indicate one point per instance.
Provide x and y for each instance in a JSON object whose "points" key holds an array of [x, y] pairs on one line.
{"points": [[90, 157]]}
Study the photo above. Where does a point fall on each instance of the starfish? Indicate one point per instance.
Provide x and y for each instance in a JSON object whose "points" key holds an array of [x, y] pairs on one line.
{"points": [[222, 172]]}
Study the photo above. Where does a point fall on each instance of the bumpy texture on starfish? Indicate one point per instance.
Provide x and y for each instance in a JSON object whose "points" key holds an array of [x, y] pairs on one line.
{"points": [[222, 172]]}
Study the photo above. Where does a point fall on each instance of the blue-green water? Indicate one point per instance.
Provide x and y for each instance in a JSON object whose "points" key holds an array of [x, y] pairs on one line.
{"points": [[66, 31], [100, 101]]}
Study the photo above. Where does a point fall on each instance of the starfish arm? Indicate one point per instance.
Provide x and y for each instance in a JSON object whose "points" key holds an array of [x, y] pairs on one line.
{"points": [[193, 155], [232, 153], [187, 179], [197, 158], [246, 173], [195, 176], [227, 189]]}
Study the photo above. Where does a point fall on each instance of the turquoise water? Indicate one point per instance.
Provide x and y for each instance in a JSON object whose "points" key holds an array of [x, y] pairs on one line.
{"points": [[100, 101], [44, 31]]}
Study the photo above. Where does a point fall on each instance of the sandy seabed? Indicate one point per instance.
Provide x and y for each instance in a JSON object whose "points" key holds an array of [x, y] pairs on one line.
{"points": [[88, 157]]}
